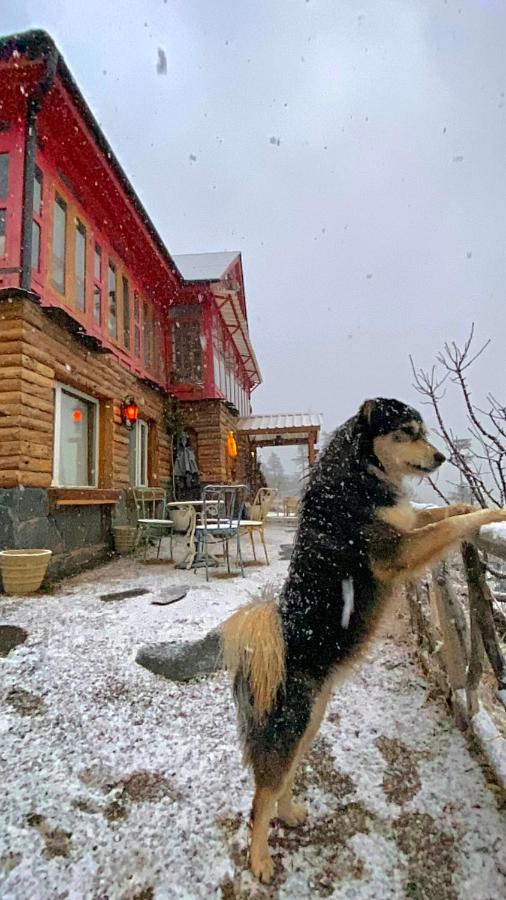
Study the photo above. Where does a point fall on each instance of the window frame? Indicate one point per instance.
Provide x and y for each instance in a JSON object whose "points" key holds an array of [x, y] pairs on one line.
{"points": [[4, 202], [141, 431], [37, 219], [112, 267], [98, 283], [59, 200], [126, 312], [80, 229], [59, 387]]}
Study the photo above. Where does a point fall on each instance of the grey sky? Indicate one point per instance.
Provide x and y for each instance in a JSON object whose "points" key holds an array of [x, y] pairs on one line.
{"points": [[375, 228]]}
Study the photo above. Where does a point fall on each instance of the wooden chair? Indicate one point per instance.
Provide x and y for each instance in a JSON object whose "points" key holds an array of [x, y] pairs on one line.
{"points": [[184, 518], [152, 520], [258, 510], [290, 506]]}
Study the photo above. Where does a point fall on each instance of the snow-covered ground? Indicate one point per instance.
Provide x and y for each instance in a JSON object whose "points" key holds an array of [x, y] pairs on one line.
{"points": [[118, 785]]}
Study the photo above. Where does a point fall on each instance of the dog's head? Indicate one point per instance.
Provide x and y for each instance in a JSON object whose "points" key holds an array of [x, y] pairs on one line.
{"points": [[397, 437]]}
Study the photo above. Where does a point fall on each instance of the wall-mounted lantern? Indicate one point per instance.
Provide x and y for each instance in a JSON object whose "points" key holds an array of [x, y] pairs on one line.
{"points": [[129, 412]]}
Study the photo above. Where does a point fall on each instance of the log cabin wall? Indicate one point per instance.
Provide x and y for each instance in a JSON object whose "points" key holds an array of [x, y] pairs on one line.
{"points": [[36, 354], [211, 420]]}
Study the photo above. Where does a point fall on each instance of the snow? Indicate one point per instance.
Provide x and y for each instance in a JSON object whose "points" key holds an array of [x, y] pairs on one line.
{"points": [[81, 818]]}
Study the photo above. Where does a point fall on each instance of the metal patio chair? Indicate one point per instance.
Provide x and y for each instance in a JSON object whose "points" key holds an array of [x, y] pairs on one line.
{"points": [[222, 509], [152, 520]]}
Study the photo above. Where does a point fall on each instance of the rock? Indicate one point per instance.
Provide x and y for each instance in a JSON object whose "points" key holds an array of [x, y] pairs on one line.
{"points": [[11, 636], [183, 660]]}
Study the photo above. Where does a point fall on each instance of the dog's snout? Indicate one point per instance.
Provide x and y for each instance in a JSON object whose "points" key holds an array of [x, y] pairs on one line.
{"points": [[439, 458]]}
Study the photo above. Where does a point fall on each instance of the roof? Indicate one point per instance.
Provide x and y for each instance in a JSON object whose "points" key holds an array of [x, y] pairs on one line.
{"points": [[277, 423], [205, 266], [38, 44]]}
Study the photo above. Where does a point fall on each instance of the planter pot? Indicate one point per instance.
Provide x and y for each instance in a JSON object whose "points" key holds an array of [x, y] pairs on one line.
{"points": [[124, 538], [23, 570]]}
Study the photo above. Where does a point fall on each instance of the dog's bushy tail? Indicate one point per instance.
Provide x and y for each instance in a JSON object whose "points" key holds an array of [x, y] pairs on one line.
{"points": [[254, 653]]}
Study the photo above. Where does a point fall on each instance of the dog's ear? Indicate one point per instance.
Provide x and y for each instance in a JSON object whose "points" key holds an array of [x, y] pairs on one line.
{"points": [[366, 410]]}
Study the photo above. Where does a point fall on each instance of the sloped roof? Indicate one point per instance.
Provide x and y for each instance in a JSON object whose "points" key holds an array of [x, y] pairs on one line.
{"points": [[205, 266], [279, 422]]}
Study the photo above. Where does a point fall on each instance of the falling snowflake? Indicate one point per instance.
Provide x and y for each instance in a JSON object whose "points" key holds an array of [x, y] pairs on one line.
{"points": [[161, 66]]}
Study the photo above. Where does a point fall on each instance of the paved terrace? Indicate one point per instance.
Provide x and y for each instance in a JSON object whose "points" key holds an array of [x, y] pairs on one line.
{"points": [[119, 784]]}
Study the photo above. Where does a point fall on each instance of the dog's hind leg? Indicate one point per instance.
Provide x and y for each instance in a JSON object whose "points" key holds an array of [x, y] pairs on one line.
{"points": [[289, 811], [263, 810]]}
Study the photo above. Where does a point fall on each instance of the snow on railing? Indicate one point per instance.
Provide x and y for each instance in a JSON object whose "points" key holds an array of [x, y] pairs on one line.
{"points": [[457, 634]]}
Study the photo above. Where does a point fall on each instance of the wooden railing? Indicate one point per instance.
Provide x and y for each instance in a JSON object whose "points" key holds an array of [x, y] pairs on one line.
{"points": [[459, 645]]}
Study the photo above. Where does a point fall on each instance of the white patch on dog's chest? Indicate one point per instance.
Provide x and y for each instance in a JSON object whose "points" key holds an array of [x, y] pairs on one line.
{"points": [[349, 601]]}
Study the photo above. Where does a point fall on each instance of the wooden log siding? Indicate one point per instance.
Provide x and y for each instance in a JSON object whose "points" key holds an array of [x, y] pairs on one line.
{"points": [[212, 421], [34, 353]]}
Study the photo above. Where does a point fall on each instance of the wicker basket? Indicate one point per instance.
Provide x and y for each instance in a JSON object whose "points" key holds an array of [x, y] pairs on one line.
{"points": [[124, 538], [23, 570]]}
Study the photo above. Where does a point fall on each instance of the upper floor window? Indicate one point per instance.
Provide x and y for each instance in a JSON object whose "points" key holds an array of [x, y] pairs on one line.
{"points": [[137, 325], [3, 220], [4, 192], [59, 244], [126, 313], [97, 284], [187, 360], [80, 264], [37, 219], [112, 316], [147, 316], [4, 176]]}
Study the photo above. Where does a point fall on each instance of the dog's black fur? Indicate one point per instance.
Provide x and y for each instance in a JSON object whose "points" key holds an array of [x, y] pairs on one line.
{"points": [[356, 532], [337, 526]]}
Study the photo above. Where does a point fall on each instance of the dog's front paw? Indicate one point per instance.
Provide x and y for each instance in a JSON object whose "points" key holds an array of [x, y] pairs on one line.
{"points": [[292, 814], [262, 866]]}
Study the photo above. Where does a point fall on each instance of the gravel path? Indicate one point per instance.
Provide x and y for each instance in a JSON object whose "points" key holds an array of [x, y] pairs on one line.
{"points": [[118, 784]]}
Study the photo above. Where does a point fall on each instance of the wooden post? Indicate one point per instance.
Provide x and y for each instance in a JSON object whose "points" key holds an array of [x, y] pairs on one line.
{"points": [[453, 652], [311, 455]]}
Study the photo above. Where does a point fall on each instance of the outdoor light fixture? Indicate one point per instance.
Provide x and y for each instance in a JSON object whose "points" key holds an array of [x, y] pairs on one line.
{"points": [[231, 445], [129, 412]]}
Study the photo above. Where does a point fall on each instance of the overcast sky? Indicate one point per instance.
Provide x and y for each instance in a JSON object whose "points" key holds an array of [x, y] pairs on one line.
{"points": [[355, 152]]}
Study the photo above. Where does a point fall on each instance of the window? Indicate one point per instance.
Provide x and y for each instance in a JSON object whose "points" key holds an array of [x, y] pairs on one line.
{"points": [[4, 176], [126, 313], [59, 243], [138, 454], [112, 319], [2, 232], [187, 346], [80, 265], [4, 192], [137, 326], [97, 284], [36, 220], [75, 438], [148, 334]]}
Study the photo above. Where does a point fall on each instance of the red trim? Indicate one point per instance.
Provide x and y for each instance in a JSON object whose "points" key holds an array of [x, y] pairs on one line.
{"points": [[12, 142]]}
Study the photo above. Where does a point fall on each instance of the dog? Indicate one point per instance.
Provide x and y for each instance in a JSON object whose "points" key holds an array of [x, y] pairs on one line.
{"points": [[357, 537]]}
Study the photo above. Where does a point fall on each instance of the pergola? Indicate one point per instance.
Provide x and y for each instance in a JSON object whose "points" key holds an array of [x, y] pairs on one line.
{"points": [[282, 430]]}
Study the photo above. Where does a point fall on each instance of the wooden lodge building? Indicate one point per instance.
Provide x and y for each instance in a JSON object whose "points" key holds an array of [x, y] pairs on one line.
{"points": [[95, 314]]}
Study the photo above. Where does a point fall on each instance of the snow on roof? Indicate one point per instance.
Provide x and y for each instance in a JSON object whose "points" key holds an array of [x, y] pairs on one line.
{"points": [[205, 266], [280, 421]]}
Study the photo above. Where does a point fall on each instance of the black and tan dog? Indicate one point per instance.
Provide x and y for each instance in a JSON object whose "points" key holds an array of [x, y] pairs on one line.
{"points": [[358, 535]]}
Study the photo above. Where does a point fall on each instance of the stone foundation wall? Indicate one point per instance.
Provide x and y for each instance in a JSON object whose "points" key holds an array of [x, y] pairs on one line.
{"points": [[78, 537]]}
